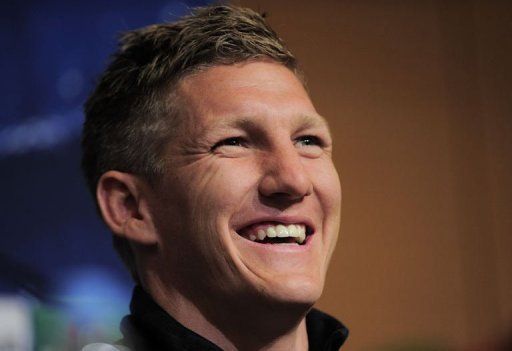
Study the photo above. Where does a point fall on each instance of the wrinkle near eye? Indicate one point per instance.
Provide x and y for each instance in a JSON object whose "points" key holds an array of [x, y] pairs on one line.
{"points": [[193, 143]]}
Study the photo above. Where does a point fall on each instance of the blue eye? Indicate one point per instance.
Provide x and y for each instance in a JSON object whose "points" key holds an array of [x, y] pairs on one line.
{"points": [[234, 141], [309, 140]]}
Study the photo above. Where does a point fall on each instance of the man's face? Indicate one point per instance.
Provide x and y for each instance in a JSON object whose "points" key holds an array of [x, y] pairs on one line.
{"points": [[249, 205]]}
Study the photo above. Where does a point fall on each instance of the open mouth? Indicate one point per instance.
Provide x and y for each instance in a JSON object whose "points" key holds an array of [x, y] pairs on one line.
{"points": [[277, 233]]}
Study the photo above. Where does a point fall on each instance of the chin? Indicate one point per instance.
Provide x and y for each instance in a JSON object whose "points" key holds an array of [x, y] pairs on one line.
{"points": [[296, 291]]}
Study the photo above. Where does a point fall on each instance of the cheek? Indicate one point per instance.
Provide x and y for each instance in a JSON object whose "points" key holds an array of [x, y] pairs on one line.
{"points": [[196, 201], [222, 186], [330, 194], [327, 185], [211, 193], [211, 196]]}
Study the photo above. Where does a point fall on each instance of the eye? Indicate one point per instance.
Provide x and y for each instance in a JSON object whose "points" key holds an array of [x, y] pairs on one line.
{"points": [[233, 141], [309, 140]]}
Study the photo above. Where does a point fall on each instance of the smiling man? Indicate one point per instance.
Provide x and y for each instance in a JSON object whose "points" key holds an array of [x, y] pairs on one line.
{"points": [[213, 170]]}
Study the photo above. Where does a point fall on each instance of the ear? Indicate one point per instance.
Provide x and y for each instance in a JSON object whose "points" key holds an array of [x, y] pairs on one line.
{"points": [[123, 202]]}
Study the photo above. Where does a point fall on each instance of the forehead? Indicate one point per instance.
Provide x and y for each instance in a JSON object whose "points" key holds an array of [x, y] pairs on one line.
{"points": [[246, 94]]}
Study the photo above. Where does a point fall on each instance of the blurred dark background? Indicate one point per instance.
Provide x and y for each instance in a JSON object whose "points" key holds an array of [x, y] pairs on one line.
{"points": [[55, 251]]}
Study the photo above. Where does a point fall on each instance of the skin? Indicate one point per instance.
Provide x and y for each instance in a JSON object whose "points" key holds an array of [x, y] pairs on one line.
{"points": [[250, 148]]}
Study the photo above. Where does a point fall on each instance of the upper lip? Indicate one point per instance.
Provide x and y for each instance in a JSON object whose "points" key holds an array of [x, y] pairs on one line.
{"points": [[310, 228]]}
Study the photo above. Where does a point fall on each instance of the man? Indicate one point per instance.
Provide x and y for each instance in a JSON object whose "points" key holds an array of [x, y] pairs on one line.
{"points": [[213, 170]]}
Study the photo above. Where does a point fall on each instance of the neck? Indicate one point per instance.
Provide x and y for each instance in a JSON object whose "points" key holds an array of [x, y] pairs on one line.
{"points": [[245, 325]]}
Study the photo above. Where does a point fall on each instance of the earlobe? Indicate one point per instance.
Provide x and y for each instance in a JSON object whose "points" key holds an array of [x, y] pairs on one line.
{"points": [[123, 202]]}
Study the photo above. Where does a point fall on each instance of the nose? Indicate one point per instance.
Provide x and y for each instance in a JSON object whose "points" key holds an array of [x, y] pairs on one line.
{"points": [[284, 176]]}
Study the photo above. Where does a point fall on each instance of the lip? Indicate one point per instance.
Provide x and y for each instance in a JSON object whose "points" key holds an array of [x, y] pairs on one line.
{"points": [[279, 248], [278, 219]]}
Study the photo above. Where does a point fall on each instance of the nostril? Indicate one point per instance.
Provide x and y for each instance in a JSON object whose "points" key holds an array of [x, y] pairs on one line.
{"points": [[280, 200], [286, 195]]}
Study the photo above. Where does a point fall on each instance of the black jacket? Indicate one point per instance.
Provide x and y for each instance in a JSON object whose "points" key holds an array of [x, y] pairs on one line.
{"points": [[150, 328]]}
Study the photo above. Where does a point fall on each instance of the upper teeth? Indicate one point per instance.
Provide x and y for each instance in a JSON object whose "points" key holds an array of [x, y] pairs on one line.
{"points": [[297, 231]]}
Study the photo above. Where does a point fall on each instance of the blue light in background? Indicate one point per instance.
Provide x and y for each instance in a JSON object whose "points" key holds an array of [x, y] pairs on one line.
{"points": [[93, 297], [40, 133]]}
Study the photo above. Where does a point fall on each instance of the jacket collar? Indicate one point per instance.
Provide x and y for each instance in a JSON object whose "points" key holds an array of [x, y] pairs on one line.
{"points": [[149, 327]]}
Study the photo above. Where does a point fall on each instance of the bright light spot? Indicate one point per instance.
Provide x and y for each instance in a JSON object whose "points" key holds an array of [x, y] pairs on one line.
{"points": [[15, 324]]}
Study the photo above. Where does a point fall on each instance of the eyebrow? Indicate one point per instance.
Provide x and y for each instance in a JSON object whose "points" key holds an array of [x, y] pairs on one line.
{"points": [[308, 121], [304, 122]]}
